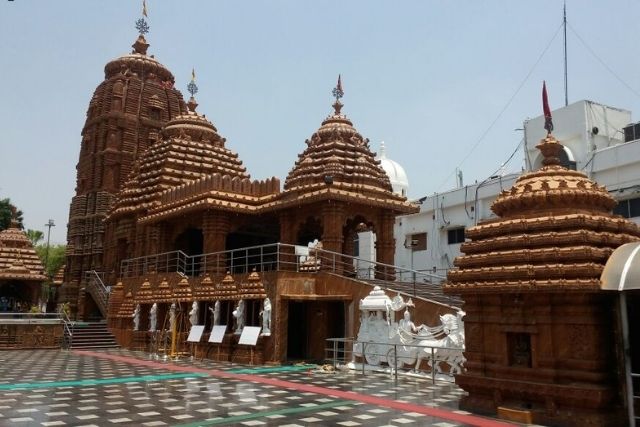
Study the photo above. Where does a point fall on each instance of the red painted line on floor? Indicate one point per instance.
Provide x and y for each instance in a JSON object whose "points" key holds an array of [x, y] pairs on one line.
{"points": [[350, 395]]}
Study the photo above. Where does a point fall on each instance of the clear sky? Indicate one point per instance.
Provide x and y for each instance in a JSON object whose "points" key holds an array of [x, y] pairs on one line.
{"points": [[427, 77]]}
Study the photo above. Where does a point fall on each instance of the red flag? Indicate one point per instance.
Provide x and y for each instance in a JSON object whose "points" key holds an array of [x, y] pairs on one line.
{"points": [[548, 123]]}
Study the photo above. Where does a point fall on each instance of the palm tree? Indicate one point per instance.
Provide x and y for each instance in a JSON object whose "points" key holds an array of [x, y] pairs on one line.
{"points": [[35, 236]]}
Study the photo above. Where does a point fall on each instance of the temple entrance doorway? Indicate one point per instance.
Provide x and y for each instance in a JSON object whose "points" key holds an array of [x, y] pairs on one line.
{"points": [[310, 324], [18, 296], [632, 302], [191, 242], [310, 230], [246, 244]]}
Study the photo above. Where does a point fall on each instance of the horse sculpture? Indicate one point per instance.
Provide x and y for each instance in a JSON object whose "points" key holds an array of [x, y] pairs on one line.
{"points": [[381, 339]]}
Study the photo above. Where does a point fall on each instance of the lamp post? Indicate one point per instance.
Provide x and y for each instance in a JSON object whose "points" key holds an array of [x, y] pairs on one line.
{"points": [[410, 245], [46, 256], [49, 224]]}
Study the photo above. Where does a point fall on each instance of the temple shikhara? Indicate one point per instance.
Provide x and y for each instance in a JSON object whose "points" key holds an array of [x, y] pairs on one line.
{"points": [[169, 234], [540, 333]]}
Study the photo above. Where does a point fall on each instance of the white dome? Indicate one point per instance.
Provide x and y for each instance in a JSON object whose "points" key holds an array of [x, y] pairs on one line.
{"points": [[395, 172]]}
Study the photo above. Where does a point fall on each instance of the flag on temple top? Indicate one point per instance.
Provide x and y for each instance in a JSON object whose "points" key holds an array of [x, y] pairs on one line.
{"points": [[193, 74], [144, 8], [548, 122]]}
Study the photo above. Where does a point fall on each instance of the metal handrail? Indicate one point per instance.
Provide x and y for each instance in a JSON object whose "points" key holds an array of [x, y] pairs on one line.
{"points": [[335, 350], [68, 330], [287, 257], [98, 290]]}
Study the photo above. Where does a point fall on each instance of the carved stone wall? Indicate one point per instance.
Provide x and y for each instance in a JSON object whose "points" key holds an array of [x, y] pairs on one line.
{"points": [[124, 117]]}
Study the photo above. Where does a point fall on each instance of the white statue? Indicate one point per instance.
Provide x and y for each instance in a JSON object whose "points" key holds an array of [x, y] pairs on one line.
{"points": [[172, 316], [215, 314], [194, 313], [238, 314], [153, 317], [403, 343], [136, 317], [406, 324], [266, 317]]}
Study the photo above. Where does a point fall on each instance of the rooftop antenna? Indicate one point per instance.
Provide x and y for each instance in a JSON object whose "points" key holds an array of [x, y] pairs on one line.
{"points": [[564, 24]]}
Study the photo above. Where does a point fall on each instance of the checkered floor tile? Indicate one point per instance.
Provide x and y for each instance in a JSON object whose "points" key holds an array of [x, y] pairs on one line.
{"points": [[65, 388]]}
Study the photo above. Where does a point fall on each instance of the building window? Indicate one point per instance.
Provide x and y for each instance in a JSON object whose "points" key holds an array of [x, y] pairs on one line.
{"points": [[416, 242], [628, 208], [455, 235], [154, 113], [519, 347]]}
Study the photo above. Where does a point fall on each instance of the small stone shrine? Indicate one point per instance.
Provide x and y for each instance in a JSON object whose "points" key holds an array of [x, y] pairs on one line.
{"points": [[539, 332]]}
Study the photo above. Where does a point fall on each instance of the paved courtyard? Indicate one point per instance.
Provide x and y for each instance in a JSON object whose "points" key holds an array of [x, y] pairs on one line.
{"points": [[120, 387]]}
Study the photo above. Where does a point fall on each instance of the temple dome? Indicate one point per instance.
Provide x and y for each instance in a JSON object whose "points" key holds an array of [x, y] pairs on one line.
{"points": [[394, 171], [338, 153], [18, 258], [188, 148], [555, 231], [138, 62]]}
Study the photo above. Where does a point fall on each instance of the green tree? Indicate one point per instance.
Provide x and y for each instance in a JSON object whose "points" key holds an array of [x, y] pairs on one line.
{"points": [[35, 236], [8, 211], [56, 257]]}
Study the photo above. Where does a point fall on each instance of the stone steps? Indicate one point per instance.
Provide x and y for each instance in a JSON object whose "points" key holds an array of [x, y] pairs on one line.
{"points": [[92, 335]]}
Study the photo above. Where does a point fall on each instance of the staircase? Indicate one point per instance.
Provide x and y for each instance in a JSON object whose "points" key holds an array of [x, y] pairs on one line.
{"points": [[98, 291], [92, 335]]}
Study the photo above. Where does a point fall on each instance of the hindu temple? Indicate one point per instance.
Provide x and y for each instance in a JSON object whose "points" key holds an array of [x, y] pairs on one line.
{"points": [[169, 233], [168, 230], [21, 271], [541, 336]]}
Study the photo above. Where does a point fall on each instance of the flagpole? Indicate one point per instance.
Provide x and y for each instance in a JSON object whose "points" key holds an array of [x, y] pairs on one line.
{"points": [[564, 23]]}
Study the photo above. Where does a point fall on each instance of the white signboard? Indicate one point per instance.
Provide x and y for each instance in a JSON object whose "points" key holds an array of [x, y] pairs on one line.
{"points": [[249, 335], [195, 333], [217, 333]]}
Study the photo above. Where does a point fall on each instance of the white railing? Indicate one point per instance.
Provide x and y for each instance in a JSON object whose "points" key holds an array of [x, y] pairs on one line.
{"points": [[437, 362], [285, 257]]}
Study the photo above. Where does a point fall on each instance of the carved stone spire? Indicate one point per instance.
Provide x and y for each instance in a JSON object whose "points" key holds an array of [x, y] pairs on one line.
{"points": [[140, 46]]}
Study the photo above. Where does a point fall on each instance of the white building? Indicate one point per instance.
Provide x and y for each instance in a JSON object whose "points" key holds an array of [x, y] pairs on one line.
{"points": [[598, 140]]}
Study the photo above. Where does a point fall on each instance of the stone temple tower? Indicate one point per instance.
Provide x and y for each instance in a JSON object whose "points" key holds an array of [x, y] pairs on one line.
{"points": [[125, 114]]}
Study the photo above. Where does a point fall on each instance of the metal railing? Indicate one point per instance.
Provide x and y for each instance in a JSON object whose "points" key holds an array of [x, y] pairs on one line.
{"points": [[98, 290], [69, 326], [633, 398], [286, 257], [28, 318], [342, 352]]}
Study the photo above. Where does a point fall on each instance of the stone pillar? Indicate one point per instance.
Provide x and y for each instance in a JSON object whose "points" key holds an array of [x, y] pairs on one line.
{"points": [[288, 230], [385, 245], [215, 227], [333, 218]]}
